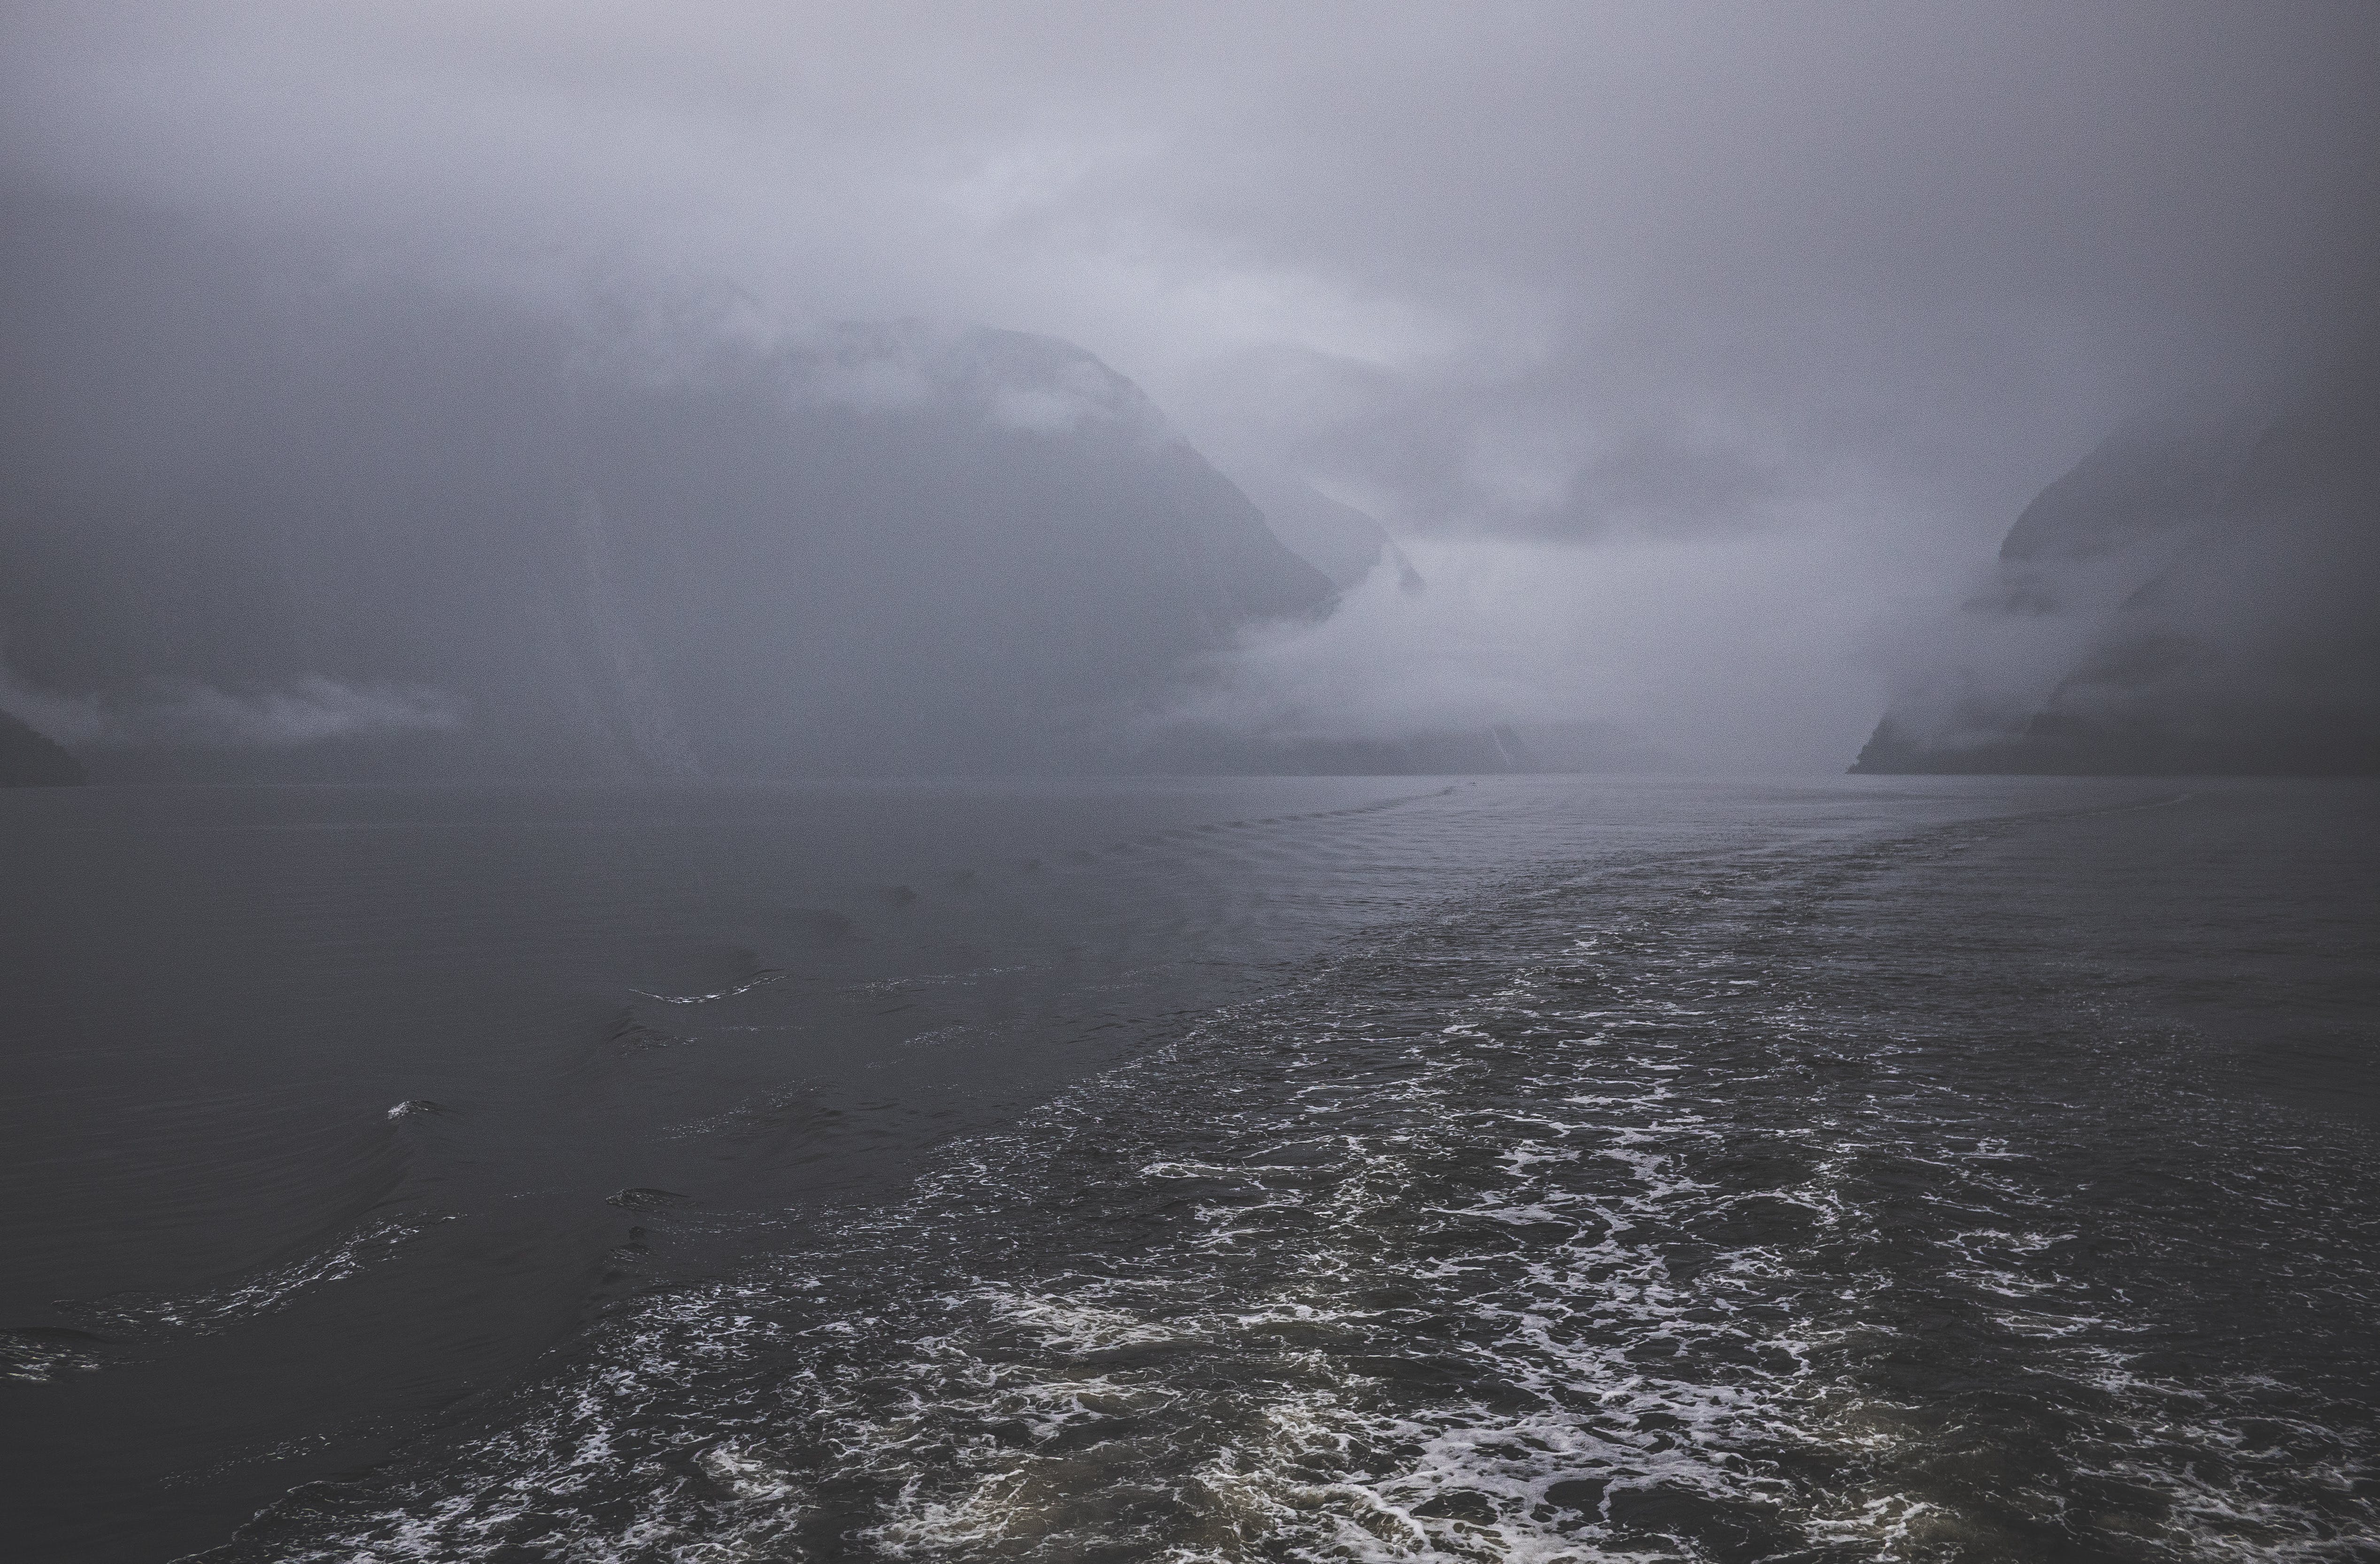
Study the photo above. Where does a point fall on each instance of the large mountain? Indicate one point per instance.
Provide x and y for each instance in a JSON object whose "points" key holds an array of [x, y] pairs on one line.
{"points": [[2195, 596], [285, 521]]}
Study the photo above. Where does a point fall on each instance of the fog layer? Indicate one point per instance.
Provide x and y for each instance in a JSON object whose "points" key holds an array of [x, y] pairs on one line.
{"points": [[295, 528], [2196, 595], [1692, 355]]}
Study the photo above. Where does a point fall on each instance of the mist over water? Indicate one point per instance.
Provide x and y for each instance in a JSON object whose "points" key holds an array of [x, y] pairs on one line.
{"points": [[1068, 782]]}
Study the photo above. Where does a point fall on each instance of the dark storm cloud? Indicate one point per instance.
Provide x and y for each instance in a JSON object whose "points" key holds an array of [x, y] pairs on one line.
{"points": [[1656, 276]]}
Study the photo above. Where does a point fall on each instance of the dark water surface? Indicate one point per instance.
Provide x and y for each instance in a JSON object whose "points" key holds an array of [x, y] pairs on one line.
{"points": [[1330, 1168]]}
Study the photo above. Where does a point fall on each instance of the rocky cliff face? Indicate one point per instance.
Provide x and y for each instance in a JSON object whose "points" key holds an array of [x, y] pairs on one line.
{"points": [[262, 525], [2195, 596]]}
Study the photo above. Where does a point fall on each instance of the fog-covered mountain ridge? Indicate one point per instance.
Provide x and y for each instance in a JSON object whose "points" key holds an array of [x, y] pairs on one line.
{"points": [[2193, 596], [1010, 379], [249, 530]]}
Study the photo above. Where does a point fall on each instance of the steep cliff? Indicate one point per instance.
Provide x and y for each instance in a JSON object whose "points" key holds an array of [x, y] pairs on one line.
{"points": [[273, 521], [2195, 596]]}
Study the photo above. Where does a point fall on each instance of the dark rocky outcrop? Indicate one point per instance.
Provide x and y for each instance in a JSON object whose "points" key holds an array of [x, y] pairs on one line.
{"points": [[28, 759], [2196, 595]]}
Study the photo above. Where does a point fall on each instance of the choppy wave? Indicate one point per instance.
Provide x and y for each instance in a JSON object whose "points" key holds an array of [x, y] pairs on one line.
{"points": [[137, 1316], [1758, 1206], [760, 980], [36, 1354]]}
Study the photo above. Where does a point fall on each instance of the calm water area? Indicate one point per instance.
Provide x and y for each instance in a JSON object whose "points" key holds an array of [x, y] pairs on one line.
{"points": [[1553, 1168]]}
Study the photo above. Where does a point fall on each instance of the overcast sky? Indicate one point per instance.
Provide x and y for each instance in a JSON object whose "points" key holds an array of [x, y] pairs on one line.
{"points": [[1690, 348]]}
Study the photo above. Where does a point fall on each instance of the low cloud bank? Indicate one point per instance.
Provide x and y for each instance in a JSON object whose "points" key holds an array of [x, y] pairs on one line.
{"points": [[314, 709], [1699, 655]]}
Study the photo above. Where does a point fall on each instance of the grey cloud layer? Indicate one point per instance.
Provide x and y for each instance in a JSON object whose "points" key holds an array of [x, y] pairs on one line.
{"points": [[1693, 341], [1556, 271]]}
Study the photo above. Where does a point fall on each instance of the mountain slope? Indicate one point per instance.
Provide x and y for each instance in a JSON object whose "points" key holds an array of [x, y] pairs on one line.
{"points": [[262, 520], [2194, 597]]}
